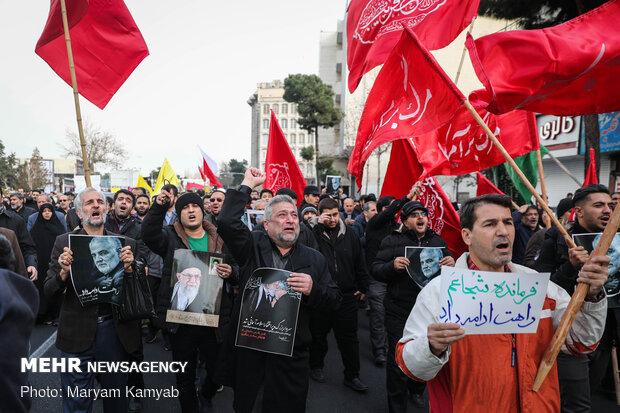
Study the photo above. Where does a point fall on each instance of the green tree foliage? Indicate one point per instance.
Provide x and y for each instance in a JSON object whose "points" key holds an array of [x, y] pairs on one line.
{"points": [[8, 169], [537, 14], [315, 105], [32, 174], [307, 153], [231, 173]]}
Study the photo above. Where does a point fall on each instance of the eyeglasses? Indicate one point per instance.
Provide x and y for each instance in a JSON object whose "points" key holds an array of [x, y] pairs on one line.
{"points": [[419, 214], [216, 199]]}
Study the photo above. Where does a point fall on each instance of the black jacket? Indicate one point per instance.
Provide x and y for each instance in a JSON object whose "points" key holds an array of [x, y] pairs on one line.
{"points": [[343, 250], [25, 212], [402, 292], [164, 240], [380, 226], [554, 258], [253, 250], [12, 221]]}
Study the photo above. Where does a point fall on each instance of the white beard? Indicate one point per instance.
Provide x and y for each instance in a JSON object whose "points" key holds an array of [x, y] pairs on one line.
{"points": [[184, 297]]}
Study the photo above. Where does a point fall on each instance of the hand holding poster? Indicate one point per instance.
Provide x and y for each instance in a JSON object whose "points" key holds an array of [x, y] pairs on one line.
{"points": [[269, 309], [196, 288], [423, 263], [97, 271], [612, 286], [492, 302]]}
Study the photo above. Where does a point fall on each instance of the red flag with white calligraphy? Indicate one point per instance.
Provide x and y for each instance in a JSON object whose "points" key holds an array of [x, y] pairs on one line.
{"points": [[374, 27], [569, 69], [461, 146], [485, 186], [281, 167], [105, 41], [411, 97], [403, 172]]}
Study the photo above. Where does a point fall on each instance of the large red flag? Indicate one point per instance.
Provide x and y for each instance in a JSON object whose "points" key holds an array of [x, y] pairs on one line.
{"points": [[485, 186], [209, 169], [106, 44], [411, 97], [374, 27], [461, 146], [281, 167], [403, 172], [591, 177], [202, 173], [569, 69]]}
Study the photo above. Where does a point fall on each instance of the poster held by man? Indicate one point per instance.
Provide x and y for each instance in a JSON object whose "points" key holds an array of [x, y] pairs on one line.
{"points": [[196, 288], [332, 185], [423, 263], [612, 286], [269, 309], [100, 255]]}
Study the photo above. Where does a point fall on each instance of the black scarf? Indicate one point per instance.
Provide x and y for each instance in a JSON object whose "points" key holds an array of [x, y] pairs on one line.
{"points": [[44, 233]]}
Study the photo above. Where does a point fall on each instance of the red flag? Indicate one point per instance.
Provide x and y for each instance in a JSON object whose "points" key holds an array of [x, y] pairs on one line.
{"points": [[209, 168], [461, 146], [202, 174], [281, 167], [191, 185], [411, 97], [106, 43], [591, 177], [569, 69], [374, 27], [485, 186], [403, 172]]}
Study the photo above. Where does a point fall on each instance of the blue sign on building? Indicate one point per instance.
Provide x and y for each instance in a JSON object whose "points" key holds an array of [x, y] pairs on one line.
{"points": [[609, 128]]}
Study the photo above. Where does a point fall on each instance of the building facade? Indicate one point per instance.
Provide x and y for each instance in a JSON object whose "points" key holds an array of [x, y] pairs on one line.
{"points": [[268, 97]]}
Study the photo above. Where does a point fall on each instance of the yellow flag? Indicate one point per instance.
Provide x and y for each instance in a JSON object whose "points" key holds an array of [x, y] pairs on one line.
{"points": [[142, 184], [166, 176]]}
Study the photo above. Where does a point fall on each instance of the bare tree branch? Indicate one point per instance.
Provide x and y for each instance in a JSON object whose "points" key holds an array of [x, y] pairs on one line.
{"points": [[101, 146]]}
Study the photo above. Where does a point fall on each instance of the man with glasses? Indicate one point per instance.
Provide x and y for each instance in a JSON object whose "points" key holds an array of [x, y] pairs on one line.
{"points": [[390, 266], [64, 202], [217, 200]]}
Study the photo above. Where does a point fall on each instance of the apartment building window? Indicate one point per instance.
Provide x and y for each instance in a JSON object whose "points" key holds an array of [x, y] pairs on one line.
{"points": [[265, 123], [265, 138], [293, 139], [284, 123], [302, 138], [265, 109], [275, 108], [293, 124], [284, 108], [293, 108]]}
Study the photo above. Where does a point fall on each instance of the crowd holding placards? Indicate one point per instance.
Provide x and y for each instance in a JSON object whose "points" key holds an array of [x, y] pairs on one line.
{"points": [[337, 255]]}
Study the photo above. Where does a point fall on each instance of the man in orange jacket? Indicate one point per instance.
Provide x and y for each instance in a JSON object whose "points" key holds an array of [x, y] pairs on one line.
{"points": [[495, 372]]}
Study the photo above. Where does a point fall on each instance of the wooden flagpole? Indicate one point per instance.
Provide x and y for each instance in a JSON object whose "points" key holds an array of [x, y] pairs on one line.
{"points": [[562, 167], [581, 290], [76, 97], [543, 186]]}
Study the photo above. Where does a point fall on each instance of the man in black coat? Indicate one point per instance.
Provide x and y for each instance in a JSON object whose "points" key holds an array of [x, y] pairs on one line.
{"points": [[377, 228], [343, 250], [271, 382], [593, 207], [189, 231], [12, 221], [390, 266], [93, 332]]}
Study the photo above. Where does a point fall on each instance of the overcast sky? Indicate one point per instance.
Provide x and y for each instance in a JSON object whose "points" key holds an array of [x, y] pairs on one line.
{"points": [[206, 58]]}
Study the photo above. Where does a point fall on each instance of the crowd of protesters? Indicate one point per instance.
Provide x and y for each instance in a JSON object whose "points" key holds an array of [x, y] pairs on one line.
{"points": [[346, 255]]}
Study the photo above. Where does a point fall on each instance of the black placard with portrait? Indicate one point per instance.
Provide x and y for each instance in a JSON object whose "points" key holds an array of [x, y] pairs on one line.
{"points": [[423, 263], [612, 286]]}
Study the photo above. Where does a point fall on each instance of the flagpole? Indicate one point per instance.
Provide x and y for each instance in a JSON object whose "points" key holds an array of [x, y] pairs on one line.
{"points": [[562, 167], [76, 97], [581, 290], [458, 72], [543, 187]]}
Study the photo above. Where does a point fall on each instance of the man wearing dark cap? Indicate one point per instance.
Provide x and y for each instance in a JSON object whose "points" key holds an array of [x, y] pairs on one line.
{"points": [[311, 197], [593, 206], [390, 266], [192, 232]]}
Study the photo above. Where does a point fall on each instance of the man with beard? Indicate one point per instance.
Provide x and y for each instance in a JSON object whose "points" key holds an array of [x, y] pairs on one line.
{"points": [[495, 372], [216, 200], [593, 207], [526, 225], [430, 262], [193, 232], [186, 288], [390, 267], [17, 205], [276, 383], [143, 203], [94, 332]]}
